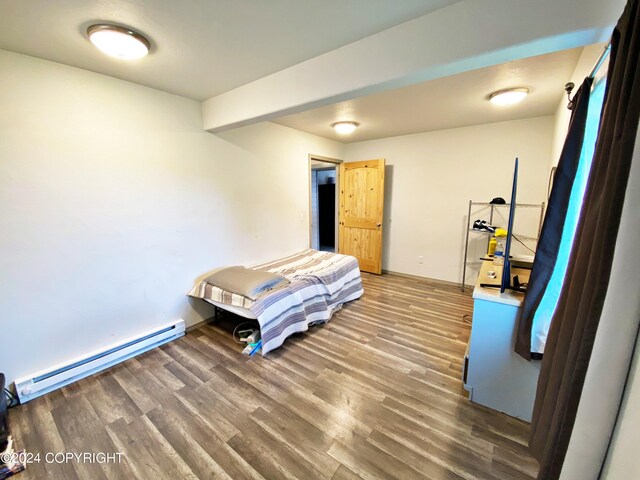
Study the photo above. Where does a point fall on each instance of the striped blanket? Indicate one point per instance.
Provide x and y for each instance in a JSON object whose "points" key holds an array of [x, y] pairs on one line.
{"points": [[321, 282]]}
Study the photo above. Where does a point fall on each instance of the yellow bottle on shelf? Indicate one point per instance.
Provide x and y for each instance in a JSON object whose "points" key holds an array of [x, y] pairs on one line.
{"points": [[493, 243]]}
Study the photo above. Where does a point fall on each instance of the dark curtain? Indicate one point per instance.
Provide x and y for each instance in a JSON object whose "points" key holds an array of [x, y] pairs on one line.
{"points": [[551, 234], [575, 322]]}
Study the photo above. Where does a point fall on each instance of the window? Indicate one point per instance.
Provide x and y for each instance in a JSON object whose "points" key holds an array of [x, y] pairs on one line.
{"points": [[549, 302]]}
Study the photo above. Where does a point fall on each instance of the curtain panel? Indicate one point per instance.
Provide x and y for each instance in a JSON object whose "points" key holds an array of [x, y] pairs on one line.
{"points": [[576, 319]]}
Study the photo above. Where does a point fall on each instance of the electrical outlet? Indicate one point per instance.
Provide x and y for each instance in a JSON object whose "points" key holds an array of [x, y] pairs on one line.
{"points": [[420, 259]]}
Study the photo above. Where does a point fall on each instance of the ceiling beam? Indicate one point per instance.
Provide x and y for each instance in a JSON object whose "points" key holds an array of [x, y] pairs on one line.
{"points": [[467, 35]]}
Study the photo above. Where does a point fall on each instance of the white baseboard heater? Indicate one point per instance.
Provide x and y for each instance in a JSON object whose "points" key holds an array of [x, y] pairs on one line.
{"points": [[56, 377]]}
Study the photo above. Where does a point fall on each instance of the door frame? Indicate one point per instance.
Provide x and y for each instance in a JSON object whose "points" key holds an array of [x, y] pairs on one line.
{"points": [[336, 162]]}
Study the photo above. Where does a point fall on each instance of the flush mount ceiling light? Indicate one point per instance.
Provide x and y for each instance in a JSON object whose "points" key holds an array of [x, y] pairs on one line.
{"points": [[510, 96], [345, 128], [120, 42]]}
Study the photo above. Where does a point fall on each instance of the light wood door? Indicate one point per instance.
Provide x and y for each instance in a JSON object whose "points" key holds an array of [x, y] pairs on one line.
{"points": [[361, 207]]}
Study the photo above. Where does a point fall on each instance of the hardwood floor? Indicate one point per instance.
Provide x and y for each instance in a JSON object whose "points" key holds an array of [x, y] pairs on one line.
{"points": [[375, 393]]}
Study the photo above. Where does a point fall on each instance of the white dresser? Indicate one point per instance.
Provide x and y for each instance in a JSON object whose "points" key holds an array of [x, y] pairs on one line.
{"points": [[494, 374]]}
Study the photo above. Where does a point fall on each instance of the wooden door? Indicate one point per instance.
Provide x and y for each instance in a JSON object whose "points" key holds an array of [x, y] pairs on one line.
{"points": [[361, 207]]}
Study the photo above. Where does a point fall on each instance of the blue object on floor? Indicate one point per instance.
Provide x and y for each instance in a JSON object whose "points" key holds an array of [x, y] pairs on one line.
{"points": [[256, 348]]}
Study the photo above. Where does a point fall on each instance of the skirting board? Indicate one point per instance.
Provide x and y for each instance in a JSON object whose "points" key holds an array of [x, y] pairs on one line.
{"points": [[201, 323], [418, 277]]}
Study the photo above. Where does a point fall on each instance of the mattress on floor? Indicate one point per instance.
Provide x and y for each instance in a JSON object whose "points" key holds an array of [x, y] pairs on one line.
{"points": [[321, 282]]}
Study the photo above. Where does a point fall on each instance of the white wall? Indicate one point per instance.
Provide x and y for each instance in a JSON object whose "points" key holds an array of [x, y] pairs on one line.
{"points": [[113, 200], [326, 176], [431, 177], [623, 460]]}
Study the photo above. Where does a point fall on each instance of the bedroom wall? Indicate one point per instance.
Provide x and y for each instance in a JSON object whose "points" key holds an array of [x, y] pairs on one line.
{"points": [[622, 458], [113, 200], [430, 178]]}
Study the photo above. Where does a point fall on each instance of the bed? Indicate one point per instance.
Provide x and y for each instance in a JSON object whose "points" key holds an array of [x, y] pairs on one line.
{"points": [[319, 284]]}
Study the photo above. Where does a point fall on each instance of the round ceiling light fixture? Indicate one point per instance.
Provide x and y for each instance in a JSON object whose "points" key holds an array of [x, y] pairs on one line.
{"points": [[120, 42], [510, 96], [345, 128]]}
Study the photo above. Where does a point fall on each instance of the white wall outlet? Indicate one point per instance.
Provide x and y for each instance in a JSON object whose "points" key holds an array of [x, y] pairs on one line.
{"points": [[420, 259]]}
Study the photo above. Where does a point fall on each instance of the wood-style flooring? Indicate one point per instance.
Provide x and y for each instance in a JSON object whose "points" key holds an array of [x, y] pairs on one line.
{"points": [[375, 393]]}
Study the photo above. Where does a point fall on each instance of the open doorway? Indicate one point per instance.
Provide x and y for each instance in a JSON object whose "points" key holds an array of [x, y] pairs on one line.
{"points": [[323, 204]]}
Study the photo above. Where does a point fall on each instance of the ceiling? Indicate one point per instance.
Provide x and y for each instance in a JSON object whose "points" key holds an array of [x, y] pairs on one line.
{"points": [[200, 48], [319, 164], [449, 102]]}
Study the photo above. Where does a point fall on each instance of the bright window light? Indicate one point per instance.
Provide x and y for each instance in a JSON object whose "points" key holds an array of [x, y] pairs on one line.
{"points": [[549, 302], [118, 41]]}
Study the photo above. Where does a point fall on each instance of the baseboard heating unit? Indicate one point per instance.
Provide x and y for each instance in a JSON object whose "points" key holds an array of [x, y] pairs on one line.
{"points": [[56, 377]]}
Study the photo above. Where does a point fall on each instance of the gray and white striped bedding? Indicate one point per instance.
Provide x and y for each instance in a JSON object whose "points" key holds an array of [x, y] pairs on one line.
{"points": [[321, 282]]}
